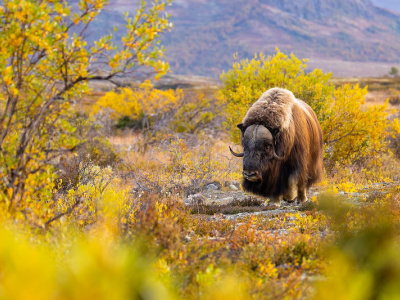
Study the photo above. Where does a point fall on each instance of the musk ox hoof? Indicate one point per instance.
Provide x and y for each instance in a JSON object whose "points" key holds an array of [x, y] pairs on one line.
{"points": [[301, 200], [290, 201]]}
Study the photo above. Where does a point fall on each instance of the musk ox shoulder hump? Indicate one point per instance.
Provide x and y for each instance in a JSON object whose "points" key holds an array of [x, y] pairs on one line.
{"points": [[273, 109], [303, 106]]}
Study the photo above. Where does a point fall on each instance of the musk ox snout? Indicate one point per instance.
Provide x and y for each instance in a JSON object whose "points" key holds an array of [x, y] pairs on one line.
{"points": [[252, 175]]}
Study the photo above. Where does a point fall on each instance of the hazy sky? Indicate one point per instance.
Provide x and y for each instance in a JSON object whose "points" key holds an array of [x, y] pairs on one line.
{"points": [[391, 4]]}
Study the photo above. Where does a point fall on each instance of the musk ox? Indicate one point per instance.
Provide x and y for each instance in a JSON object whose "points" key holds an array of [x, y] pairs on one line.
{"points": [[283, 147]]}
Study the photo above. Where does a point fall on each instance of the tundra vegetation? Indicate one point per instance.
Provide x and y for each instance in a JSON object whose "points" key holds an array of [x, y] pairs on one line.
{"points": [[94, 184]]}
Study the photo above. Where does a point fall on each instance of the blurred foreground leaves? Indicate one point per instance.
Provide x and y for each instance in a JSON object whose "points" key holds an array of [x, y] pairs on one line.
{"points": [[365, 259]]}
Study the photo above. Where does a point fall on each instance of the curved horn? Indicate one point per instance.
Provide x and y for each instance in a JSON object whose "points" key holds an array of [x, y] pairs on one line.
{"points": [[275, 155], [279, 157], [236, 154]]}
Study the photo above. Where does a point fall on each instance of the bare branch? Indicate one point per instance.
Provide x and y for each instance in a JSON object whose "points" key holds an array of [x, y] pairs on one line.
{"points": [[69, 210]]}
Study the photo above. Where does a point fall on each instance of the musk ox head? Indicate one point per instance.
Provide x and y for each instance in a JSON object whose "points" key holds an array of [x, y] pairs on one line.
{"points": [[259, 152]]}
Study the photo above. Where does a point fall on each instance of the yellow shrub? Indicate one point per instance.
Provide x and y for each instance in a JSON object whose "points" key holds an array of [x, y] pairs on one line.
{"points": [[137, 103], [79, 267], [193, 116], [364, 260], [353, 131], [98, 195], [247, 80]]}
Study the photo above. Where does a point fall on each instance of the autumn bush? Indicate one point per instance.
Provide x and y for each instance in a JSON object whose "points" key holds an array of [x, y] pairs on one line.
{"points": [[44, 67], [93, 144], [158, 114], [197, 114], [352, 131], [114, 245], [70, 265], [248, 79], [102, 227], [365, 261], [140, 106]]}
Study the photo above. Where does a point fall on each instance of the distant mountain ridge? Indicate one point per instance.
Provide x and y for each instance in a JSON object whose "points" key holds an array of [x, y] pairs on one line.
{"points": [[207, 33], [321, 9]]}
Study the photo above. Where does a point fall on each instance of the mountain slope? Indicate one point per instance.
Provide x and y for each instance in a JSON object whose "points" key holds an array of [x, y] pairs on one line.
{"points": [[208, 33], [331, 33]]}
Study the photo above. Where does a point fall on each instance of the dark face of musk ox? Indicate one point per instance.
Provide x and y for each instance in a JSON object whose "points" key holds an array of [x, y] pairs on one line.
{"points": [[259, 152]]}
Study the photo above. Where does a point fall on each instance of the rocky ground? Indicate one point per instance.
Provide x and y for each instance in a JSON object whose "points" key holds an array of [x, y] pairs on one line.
{"points": [[231, 201], [228, 199], [216, 202]]}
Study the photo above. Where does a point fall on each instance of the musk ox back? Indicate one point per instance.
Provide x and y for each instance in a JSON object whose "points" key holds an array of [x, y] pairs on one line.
{"points": [[283, 147]]}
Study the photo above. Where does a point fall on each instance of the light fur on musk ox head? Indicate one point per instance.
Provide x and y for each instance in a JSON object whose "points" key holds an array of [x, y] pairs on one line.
{"points": [[273, 109]]}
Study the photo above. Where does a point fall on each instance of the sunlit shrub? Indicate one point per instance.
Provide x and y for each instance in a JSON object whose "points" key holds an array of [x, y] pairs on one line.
{"points": [[78, 267], [160, 113], [95, 189], [247, 80], [352, 131], [195, 115], [98, 150], [93, 149], [365, 260], [46, 63], [138, 107], [162, 223]]}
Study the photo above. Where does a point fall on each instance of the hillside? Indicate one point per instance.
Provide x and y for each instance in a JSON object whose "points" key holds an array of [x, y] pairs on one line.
{"points": [[343, 36], [206, 35]]}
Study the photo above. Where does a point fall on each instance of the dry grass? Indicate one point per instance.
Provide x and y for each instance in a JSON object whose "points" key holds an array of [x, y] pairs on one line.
{"points": [[125, 140], [394, 99], [342, 68]]}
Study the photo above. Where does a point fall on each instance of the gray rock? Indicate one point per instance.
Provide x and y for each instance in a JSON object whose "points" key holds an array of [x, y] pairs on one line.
{"points": [[227, 183], [224, 201], [196, 199], [233, 187], [211, 187], [232, 182]]}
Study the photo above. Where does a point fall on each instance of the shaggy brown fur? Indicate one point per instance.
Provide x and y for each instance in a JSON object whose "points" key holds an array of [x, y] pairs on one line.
{"points": [[297, 136]]}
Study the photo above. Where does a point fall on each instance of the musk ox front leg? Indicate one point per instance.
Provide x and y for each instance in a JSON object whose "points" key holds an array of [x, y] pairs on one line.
{"points": [[291, 192], [276, 201], [295, 189]]}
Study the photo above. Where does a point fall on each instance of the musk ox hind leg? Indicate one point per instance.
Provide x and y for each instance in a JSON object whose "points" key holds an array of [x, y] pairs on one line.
{"points": [[302, 195]]}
